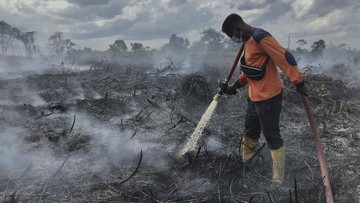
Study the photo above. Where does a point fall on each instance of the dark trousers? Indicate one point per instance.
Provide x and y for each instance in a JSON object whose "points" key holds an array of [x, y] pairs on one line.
{"points": [[265, 116]]}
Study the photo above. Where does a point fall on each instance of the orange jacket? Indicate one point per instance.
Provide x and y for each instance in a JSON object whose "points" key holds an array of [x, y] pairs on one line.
{"points": [[260, 45]]}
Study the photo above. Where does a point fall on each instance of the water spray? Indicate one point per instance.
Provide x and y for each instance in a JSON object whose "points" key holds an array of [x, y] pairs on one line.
{"points": [[191, 144]]}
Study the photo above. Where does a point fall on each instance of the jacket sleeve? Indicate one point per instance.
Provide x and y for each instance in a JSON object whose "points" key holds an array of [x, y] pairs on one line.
{"points": [[282, 58], [242, 79]]}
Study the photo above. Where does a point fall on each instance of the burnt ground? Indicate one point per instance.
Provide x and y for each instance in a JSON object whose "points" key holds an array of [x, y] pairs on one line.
{"points": [[113, 133]]}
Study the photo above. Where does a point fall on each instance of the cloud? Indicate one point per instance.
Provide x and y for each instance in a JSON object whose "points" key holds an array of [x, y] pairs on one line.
{"points": [[89, 2], [272, 12], [91, 12], [323, 7], [174, 2], [301, 7], [144, 20], [250, 5], [158, 19], [331, 19]]}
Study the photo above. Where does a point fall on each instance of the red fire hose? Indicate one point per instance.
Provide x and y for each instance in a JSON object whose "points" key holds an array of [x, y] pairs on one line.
{"points": [[233, 67], [319, 149]]}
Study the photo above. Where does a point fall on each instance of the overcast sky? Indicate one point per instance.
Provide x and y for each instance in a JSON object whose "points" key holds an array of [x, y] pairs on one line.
{"points": [[97, 23]]}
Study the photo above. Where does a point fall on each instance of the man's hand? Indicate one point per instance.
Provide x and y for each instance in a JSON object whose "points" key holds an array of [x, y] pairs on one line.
{"points": [[300, 87], [231, 90], [223, 86]]}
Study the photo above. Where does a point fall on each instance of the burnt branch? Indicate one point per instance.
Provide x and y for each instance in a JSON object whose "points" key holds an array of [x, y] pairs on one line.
{"points": [[72, 126], [46, 183], [295, 191], [133, 135], [152, 103], [137, 168], [62, 165], [268, 194]]}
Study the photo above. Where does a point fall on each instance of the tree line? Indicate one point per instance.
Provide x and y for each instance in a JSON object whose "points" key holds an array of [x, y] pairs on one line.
{"points": [[211, 40], [9, 35], [316, 48]]}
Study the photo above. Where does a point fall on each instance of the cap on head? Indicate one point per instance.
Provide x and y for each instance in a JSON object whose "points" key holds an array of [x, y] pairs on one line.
{"points": [[230, 23]]}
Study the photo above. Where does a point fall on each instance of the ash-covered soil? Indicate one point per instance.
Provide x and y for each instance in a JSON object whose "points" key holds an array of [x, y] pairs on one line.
{"points": [[113, 134]]}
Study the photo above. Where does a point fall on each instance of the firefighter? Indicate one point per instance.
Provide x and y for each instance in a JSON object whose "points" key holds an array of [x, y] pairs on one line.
{"points": [[262, 55]]}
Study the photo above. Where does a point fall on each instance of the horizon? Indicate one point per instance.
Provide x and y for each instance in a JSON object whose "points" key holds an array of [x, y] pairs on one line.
{"points": [[96, 24]]}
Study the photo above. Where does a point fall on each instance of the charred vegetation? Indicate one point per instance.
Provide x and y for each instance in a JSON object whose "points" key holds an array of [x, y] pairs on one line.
{"points": [[112, 132]]}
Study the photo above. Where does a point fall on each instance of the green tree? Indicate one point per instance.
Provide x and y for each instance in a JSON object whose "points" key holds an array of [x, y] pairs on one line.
{"points": [[87, 49], [318, 46], [177, 43], [211, 40], [9, 34], [6, 37], [28, 39], [57, 44], [118, 46], [135, 47], [301, 42]]}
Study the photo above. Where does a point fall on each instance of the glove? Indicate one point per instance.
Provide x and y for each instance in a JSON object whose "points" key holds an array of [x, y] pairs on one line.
{"points": [[231, 90], [300, 88]]}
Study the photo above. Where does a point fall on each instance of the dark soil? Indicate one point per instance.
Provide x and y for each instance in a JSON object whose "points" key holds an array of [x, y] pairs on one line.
{"points": [[112, 134]]}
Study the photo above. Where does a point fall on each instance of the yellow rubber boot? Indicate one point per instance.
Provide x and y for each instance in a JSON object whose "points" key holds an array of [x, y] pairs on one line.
{"points": [[249, 147], [278, 157]]}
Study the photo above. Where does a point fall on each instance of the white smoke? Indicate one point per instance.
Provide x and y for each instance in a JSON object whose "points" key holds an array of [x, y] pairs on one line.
{"points": [[338, 63], [13, 156], [120, 146]]}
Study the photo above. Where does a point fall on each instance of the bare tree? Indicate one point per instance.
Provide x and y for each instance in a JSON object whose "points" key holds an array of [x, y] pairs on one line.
{"points": [[8, 35], [57, 44], [28, 39]]}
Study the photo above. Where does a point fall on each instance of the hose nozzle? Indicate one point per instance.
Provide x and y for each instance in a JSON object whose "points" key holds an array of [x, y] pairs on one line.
{"points": [[217, 97], [223, 85]]}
